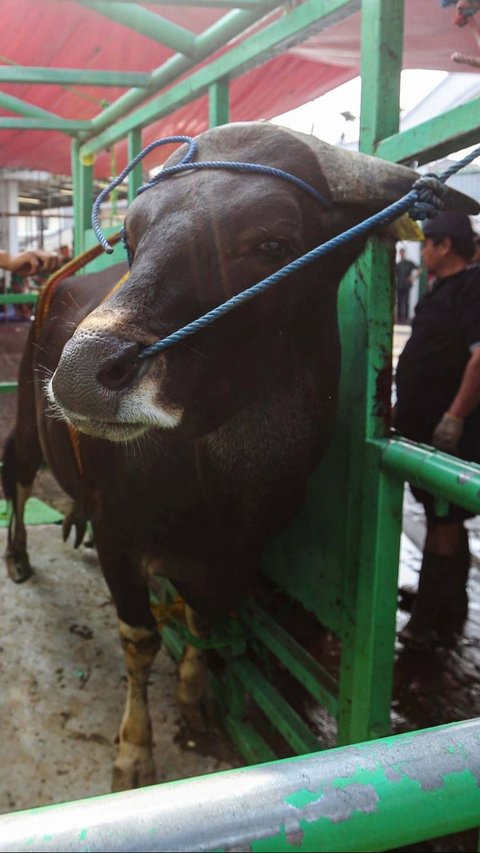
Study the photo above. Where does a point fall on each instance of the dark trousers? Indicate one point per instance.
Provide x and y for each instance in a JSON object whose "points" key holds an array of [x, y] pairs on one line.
{"points": [[403, 305]]}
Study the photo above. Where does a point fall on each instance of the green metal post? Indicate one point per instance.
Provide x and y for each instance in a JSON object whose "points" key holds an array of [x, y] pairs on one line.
{"points": [[82, 179], [374, 502], [381, 65], [135, 176], [218, 103]]}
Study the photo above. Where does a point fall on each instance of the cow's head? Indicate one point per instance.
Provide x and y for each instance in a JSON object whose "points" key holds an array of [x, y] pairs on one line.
{"points": [[196, 240]]}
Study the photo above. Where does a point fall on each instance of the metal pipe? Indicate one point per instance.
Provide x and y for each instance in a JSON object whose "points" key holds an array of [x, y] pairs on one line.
{"points": [[65, 125], [16, 105], [213, 38], [224, 4], [303, 20], [71, 76], [149, 24], [443, 475], [371, 796]]}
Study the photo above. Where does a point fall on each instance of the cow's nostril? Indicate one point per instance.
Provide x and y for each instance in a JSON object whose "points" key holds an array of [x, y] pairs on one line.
{"points": [[120, 374]]}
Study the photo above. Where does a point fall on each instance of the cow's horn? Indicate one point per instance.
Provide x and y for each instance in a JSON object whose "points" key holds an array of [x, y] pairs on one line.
{"points": [[359, 179]]}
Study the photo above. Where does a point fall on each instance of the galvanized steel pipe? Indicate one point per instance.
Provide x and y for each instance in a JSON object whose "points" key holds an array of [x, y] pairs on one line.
{"points": [[372, 796]]}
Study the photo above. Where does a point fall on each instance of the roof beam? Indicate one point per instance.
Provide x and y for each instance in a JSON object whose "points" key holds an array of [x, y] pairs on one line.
{"points": [[457, 129], [304, 20], [36, 118], [229, 26], [147, 23], [71, 76], [15, 105], [203, 4], [66, 125]]}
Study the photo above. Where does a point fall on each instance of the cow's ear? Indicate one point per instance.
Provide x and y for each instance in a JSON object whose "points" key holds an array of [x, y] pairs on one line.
{"points": [[355, 178]]}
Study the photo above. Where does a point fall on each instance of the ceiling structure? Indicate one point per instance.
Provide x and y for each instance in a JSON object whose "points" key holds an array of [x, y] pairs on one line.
{"points": [[81, 67]]}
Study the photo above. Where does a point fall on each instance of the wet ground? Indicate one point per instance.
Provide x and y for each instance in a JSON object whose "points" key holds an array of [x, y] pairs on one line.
{"points": [[62, 674]]}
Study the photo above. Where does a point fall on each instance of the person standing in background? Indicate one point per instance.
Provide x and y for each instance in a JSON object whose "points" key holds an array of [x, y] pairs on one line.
{"points": [[404, 271], [438, 403], [65, 254]]}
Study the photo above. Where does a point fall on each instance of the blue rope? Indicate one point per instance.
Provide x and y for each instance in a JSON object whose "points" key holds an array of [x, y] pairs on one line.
{"points": [[237, 166], [186, 164], [424, 200], [191, 153], [387, 215]]}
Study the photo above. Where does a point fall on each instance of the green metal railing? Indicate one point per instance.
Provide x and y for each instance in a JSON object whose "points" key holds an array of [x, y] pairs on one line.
{"points": [[371, 796], [443, 475], [17, 298]]}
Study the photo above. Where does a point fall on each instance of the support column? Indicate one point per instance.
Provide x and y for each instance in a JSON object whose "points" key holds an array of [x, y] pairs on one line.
{"points": [[218, 103], [82, 176], [381, 66], [135, 179], [374, 500], [8, 220]]}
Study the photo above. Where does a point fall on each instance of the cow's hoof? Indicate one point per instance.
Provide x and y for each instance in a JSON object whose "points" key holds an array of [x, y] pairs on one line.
{"points": [[199, 717], [74, 518], [18, 567], [133, 770]]}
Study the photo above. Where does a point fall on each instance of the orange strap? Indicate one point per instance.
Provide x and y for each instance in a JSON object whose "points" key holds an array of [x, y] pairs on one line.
{"points": [[43, 305], [49, 287]]}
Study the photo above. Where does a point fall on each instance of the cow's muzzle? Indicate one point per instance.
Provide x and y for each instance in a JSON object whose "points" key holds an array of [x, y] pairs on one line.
{"points": [[94, 374]]}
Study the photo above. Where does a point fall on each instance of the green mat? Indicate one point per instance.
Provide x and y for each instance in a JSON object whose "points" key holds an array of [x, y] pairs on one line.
{"points": [[36, 512]]}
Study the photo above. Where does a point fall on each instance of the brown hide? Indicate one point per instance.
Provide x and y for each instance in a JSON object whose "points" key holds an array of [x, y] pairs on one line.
{"points": [[191, 459]]}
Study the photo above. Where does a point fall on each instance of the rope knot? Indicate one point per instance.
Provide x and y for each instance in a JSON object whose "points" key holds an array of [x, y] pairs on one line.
{"points": [[431, 194]]}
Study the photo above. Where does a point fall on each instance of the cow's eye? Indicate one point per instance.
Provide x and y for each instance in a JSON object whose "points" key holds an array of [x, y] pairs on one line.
{"points": [[274, 250]]}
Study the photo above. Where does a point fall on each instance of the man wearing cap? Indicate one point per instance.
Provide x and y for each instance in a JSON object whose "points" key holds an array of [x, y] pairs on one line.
{"points": [[438, 402]]}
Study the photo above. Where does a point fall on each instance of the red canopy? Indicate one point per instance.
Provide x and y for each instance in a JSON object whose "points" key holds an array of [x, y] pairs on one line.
{"points": [[65, 34]]}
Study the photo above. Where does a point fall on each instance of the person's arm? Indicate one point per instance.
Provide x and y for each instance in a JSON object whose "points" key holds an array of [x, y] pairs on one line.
{"points": [[30, 262], [448, 431]]}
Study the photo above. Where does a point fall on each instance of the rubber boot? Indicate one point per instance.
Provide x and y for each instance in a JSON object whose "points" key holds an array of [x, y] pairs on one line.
{"points": [[453, 610], [421, 630]]}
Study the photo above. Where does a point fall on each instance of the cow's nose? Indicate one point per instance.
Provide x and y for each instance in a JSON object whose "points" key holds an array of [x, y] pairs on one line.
{"points": [[93, 372], [122, 370]]}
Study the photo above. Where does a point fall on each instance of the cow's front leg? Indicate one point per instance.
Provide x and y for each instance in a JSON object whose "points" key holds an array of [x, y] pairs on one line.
{"points": [[21, 460], [16, 555], [134, 766], [192, 692]]}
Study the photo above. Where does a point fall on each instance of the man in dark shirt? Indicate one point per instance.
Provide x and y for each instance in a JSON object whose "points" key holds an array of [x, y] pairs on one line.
{"points": [[438, 402], [404, 270]]}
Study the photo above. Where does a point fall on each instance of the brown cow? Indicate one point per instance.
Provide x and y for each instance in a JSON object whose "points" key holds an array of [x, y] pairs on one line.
{"points": [[188, 461]]}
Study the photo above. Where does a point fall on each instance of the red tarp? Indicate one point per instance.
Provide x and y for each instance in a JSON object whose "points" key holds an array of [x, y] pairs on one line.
{"points": [[64, 34]]}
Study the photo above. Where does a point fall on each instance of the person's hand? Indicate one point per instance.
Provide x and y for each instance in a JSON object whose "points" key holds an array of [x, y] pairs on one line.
{"points": [[448, 433], [33, 262]]}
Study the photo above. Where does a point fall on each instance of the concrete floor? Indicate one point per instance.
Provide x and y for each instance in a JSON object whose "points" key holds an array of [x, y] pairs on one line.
{"points": [[63, 687]]}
